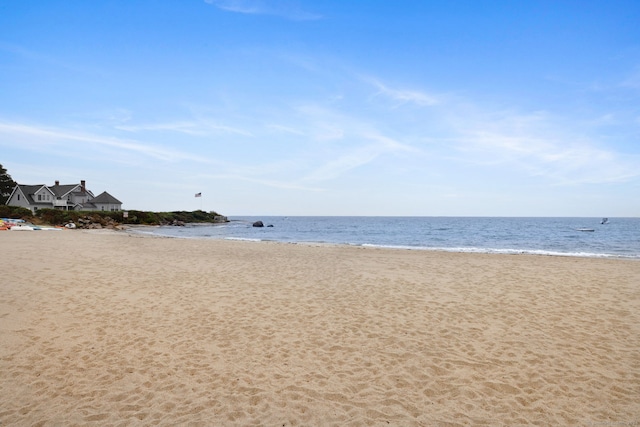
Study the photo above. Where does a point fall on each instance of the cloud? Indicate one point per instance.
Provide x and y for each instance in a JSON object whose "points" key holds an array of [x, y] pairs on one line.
{"points": [[346, 162], [47, 59], [285, 185], [344, 141], [549, 146], [284, 129], [542, 146], [36, 137], [194, 128], [403, 96], [287, 9], [352, 158]]}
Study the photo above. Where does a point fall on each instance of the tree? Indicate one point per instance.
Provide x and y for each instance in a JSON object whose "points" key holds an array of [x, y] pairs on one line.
{"points": [[6, 185]]}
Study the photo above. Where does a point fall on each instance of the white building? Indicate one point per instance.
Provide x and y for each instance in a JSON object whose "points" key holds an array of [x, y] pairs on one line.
{"points": [[64, 197]]}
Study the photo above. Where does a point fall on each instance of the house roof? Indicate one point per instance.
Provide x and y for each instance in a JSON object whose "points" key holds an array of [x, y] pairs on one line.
{"points": [[63, 190], [105, 197], [29, 191]]}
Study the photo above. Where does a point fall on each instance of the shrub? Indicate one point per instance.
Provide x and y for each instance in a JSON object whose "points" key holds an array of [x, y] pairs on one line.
{"points": [[55, 216], [61, 217], [15, 212]]}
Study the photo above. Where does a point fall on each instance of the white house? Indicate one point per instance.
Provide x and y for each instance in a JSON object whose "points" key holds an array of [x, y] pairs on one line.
{"points": [[64, 197]]}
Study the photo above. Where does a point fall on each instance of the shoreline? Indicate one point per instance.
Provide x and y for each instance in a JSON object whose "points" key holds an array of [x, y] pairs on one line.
{"points": [[102, 328], [532, 252]]}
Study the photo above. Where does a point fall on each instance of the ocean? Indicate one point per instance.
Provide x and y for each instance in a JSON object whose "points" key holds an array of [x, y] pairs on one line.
{"points": [[619, 238]]}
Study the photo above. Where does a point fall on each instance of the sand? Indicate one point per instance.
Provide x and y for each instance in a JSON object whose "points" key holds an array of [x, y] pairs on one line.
{"points": [[111, 329]]}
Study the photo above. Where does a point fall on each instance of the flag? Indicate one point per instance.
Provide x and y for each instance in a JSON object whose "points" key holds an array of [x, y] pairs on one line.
{"points": [[198, 194]]}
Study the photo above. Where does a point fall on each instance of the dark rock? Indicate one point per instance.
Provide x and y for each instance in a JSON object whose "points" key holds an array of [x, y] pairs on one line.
{"points": [[270, 225], [258, 224]]}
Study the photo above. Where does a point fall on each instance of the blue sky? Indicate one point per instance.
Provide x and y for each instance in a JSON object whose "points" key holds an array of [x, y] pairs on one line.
{"points": [[299, 107]]}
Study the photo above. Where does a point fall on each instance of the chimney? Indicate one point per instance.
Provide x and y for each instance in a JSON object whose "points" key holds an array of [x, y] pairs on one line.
{"points": [[83, 185], [57, 182]]}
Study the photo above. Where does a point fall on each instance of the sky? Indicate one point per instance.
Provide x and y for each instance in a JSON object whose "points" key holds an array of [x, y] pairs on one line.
{"points": [[328, 107]]}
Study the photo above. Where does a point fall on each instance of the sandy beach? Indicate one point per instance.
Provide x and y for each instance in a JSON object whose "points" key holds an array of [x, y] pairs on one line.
{"points": [[109, 329]]}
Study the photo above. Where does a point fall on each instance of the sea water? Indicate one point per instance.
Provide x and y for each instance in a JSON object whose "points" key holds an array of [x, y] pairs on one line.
{"points": [[619, 238]]}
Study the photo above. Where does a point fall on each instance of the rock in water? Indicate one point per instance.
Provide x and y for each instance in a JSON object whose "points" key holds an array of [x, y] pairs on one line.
{"points": [[258, 224]]}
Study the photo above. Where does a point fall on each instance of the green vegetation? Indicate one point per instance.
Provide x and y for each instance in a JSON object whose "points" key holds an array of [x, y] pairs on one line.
{"points": [[6, 185], [161, 218], [15, 212], [60, 217]]}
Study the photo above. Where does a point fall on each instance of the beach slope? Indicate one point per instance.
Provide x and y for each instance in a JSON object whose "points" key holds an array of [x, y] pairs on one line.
{"points": [[114, 329]]}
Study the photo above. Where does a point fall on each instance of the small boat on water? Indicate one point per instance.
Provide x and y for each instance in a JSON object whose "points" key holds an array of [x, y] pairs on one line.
{"points": [[604, 221], [585, 229]]}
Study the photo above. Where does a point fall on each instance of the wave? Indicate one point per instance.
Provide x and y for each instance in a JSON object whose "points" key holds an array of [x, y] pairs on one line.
{"points": [[544, 236], [243, 239], [502, 251]]}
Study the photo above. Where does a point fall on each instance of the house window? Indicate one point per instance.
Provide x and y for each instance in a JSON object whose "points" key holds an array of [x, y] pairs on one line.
{"points": [[18, 197], [39, 197]]}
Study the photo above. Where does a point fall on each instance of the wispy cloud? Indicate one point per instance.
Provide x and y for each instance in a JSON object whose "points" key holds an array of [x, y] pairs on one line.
{"points": [[48, 59], [195, 128], [345, 162], [273, 183], [36, 137], [344, 141], [355, 157], [542, 146], [288, 9], [403, 96], [284, 129]]}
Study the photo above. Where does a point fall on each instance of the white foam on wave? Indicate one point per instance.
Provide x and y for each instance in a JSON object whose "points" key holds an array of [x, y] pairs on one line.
{"points": [[500, 251], [243, 239], [158, 232]]}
